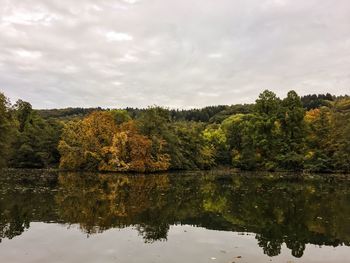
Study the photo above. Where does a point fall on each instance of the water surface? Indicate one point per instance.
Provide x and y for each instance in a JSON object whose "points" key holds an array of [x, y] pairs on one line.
{"points": [[176, 217]]}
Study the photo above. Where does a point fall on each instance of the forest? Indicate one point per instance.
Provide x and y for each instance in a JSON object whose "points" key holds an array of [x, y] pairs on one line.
{"points": [[309, 133]]}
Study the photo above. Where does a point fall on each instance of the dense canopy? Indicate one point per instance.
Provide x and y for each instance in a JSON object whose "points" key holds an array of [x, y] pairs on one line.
{"points": [[310, 133]]}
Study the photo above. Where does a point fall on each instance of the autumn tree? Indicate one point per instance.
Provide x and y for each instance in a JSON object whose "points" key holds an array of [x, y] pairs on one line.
{"points": [[132, 151], [98, 143], [320, 148], [83, 142]]}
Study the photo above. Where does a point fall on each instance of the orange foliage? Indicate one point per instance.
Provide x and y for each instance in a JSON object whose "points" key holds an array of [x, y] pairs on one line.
{"points": [[131, 151], [312, 115], [96, 143]]}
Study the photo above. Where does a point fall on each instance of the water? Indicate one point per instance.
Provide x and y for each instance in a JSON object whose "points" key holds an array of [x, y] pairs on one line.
{"points": [[177, 217]]}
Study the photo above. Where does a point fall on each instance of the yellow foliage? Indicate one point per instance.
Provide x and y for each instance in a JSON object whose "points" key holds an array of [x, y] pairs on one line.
{"points": [[312, 115], [96, 143]]}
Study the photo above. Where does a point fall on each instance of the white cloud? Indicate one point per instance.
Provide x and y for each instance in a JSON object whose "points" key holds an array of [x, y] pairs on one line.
{"points": [[131, 1], [117, 83], [215, 55], [118, 36], [27, 54], [208, 94], [155, 53], [29, 18], [129, 58]]}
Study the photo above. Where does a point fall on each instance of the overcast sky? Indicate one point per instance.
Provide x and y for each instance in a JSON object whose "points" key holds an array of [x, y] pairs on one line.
{"points": [[175, 53]]}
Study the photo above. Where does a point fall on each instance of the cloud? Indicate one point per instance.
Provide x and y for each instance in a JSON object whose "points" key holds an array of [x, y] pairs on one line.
{"points": [[28, 54], [25, 17], [131, 1], [128, 58], [117, 83], [171, 53], [117, 36], [215, 55]]}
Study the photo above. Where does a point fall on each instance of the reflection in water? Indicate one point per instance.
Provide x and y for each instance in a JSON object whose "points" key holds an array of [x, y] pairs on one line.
{"points": [[99, 201], [25, 197], [278, 210]]}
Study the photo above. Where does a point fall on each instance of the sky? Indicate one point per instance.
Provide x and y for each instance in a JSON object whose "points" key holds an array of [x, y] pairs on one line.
{"points": [[173, 53]]}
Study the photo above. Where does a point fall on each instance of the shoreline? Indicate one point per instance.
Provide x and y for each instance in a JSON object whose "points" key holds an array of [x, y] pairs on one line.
{"points": [[217, 171]]}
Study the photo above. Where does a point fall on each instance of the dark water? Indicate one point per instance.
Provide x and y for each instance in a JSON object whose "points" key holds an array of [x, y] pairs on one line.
{"points": [[177, 217]]}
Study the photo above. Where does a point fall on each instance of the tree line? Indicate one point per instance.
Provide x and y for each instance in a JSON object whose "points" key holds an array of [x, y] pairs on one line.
{"points": [[294, 133]]}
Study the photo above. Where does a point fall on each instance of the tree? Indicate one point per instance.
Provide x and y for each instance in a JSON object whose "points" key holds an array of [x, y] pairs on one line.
{"points": [[35, 145], [215, 139], [153, 122], [293, 132], [83, 142], [23, 112], [120, 116], [240, 135], [267, 103], [319, 140], [341, 134], [188, 149], [131, 151], [316, 101], [7, 129], [97, 143], [181, 141], [267, 129]]}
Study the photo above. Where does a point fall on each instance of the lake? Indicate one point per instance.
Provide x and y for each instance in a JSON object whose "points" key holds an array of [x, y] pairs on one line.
{"points": [[214, 217]]}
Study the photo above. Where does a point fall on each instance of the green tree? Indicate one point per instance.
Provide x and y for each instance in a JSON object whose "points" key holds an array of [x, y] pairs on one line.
{"points": [[215, 139], [189, 150], [293, 132], [267, 133], [341, 134], [267, 103], [36, 142], [155, 123], [7, 129], [120, 116], [23, 112], [241, 142]]}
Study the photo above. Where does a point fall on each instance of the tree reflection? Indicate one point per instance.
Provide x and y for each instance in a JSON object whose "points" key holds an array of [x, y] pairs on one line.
{"points": [[24, 199], [13, 222], [99, 202], [279, 211], [291, 211]]}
